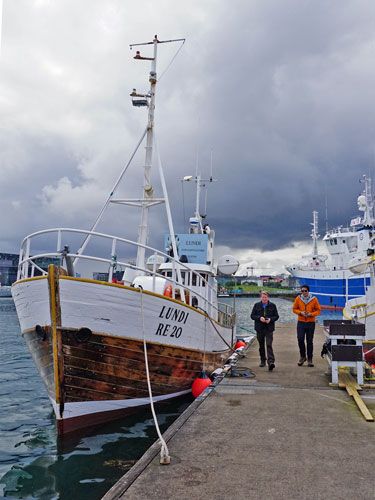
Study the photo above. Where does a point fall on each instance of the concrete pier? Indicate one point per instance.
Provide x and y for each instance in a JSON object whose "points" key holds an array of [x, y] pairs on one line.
{"points": [[284, 434]]}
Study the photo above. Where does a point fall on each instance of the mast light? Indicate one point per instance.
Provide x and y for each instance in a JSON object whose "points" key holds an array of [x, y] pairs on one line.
{"points": [[141, 99], [139, 102], [138, 56]]}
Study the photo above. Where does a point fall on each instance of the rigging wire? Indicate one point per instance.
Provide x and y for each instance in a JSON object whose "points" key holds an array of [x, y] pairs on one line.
{"points": [[86, 240], [216, 330], [169, 215], [171, 62]]}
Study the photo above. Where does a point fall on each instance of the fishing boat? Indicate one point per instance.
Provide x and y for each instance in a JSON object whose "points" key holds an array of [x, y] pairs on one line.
{"points": [[223, 292], [328, 275], [105, 348]]}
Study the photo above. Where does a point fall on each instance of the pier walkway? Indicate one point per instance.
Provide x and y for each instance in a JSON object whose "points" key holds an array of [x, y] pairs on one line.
{"points": [[282, 435]]}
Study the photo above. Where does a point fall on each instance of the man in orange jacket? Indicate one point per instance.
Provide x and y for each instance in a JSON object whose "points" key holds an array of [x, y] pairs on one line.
{"points": [[307, 307]]}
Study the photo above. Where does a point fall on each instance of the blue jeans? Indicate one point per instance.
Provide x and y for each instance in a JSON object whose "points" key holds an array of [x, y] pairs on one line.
{"points": [[305, 330]]}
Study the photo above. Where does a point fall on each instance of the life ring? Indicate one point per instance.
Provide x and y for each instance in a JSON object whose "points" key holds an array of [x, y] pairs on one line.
{"points": [[168, 291]]}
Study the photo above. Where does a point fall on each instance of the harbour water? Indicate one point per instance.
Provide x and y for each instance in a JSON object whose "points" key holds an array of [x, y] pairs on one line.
{"points": [[244, 306], [34, 464]]}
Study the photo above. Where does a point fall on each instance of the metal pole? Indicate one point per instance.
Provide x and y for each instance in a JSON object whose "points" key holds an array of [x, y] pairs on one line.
{"points": [[148, 192]]}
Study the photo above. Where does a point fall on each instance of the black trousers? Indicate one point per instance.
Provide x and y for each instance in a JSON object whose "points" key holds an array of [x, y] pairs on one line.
{"points": [[265, 337], [305, 330]]}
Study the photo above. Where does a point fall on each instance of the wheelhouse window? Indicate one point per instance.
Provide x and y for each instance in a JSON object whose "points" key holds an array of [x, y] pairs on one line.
{"points": [[204, 276]]}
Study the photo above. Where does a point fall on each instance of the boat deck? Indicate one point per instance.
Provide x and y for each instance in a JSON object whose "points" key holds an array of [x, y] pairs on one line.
{"points": [[285, 434]]}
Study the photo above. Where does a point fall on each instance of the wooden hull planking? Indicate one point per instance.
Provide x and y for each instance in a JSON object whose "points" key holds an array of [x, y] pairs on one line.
{"points": [[105, 369], [101, 375]]}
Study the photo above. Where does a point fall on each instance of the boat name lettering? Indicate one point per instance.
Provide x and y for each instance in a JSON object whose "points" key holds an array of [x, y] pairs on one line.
{"points": [[174, 314], [163, 329], [193, 242]]}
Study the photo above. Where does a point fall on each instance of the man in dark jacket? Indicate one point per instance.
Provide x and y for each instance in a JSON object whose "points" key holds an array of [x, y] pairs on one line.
{"points": [[265, 314]]}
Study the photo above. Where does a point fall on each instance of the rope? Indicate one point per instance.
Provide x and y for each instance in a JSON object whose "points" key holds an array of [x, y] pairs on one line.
{"points": [[241, 371], [204, 343], [370, 350], [216, 330], [164, 453]]}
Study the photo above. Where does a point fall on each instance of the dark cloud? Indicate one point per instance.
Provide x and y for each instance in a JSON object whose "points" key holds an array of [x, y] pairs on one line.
{"points": [[281, 93]]}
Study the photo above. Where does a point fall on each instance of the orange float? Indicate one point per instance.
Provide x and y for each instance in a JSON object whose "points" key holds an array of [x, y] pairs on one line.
{"points": [[200, 384], [239, 343]]}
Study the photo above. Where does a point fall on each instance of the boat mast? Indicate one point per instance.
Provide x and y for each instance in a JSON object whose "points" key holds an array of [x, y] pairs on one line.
{"points": [[198, 194], [314, 233], [147, 200], [368, 208], [148, 192], [196, 221]]}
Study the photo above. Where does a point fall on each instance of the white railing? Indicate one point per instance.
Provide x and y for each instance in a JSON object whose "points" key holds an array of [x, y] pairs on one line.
{"points": [[339, 230], [204, 291]]}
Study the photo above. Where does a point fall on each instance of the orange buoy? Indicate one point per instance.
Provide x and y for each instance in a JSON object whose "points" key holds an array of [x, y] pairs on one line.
{"points": [[200, 384], [168, 291], [239, 343]]}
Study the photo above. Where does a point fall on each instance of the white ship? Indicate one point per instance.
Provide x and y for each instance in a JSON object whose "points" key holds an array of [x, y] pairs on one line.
{"points": [[329, 276]]}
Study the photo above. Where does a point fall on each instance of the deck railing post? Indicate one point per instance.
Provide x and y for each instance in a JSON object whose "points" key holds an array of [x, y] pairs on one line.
{"points": [[154, 272], [58, 245], [113, 258], [25, 267], [19, 269]]}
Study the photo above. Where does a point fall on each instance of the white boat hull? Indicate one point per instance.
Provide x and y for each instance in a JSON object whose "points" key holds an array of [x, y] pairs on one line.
{"points": [[101, 377]]}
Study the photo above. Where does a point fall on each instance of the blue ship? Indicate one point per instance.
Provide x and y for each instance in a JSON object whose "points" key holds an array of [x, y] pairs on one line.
{"points": [[329, 276]]}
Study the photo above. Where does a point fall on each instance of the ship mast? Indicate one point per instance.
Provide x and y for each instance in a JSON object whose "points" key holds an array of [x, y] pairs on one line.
{"points": [[147, 200], [367, 207], [148, 192], [196, 221], [314, 233]]}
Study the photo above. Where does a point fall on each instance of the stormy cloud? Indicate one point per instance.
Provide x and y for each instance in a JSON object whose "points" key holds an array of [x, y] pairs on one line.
{"points": [[279, 93]]}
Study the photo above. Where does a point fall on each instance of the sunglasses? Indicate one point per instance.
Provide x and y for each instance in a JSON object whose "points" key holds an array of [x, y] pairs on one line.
{"points": [[304, 290]]}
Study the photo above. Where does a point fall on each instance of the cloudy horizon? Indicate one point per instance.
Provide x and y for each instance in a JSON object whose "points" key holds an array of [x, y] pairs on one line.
{"points": [[280, 93]]}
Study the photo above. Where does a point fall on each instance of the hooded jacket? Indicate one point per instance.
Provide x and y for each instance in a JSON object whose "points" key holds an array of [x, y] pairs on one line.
{"points": [[312, 307]]}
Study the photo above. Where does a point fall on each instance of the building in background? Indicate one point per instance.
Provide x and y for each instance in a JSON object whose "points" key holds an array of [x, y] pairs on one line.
{"points": [[100, 276], [9, 264]]}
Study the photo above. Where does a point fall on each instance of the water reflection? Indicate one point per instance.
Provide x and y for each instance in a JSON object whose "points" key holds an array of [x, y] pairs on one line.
{"points": [[34, 463], [83, 465]]}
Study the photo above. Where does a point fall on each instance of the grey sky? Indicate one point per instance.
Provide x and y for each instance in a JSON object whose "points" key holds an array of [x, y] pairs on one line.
{"points": [[281, 91]]}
